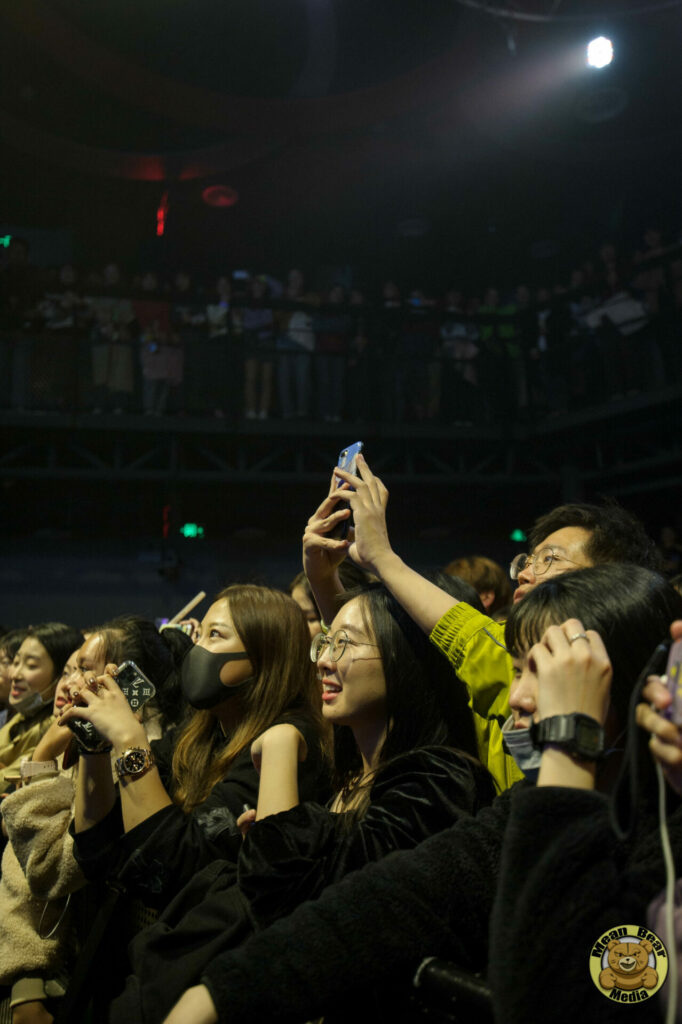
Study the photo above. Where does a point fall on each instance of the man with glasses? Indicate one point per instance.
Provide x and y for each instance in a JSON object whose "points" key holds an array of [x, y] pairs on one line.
{"points": [[569, 538]]}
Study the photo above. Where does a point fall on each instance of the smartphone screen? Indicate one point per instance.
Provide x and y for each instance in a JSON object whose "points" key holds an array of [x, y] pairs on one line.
{"points": [[348, 459]]}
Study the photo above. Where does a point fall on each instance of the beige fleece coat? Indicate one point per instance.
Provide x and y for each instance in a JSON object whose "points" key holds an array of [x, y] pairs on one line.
{"points": [[38, 873]]}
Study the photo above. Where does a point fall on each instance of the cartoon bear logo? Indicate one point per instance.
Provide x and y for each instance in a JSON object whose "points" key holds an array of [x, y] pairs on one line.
{"points": [[628, 966]]}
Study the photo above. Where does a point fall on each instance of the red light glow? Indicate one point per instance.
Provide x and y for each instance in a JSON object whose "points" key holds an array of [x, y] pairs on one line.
{"points": [[220, 195], [161, 215]]}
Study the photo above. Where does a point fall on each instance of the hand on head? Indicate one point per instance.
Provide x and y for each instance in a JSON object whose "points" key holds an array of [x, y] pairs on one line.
{"points": [[666, 737], [568, 671]]}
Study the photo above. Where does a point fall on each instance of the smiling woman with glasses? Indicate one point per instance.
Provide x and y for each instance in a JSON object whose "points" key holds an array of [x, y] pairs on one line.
{"points": [[404, 769]]}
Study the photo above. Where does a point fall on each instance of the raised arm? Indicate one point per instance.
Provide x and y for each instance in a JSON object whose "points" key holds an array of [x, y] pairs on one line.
{"points": [[105, 705], [322, 554], [423, 601]]}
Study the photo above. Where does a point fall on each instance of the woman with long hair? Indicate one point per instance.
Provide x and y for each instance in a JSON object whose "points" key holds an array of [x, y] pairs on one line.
{"points": [[178, 799], [404, 768]]}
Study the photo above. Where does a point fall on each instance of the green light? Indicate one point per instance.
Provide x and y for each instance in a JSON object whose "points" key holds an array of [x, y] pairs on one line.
{"points": [[192, 530], [5, 240], [518, 536]]}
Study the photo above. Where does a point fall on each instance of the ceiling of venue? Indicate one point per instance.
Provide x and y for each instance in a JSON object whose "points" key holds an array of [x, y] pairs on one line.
{"points": [[351, 130]]}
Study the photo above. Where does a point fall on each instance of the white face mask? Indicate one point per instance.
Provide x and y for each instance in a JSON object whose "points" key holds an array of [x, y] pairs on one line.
{"points": [[32, 703], [519, 744]]}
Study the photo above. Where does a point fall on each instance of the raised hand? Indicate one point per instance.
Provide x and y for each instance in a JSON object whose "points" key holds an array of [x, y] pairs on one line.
{"points": [[367, 499], [323, 554]]}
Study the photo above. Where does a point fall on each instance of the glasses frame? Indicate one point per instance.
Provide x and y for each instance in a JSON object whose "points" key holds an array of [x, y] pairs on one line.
{"points": [[515, 569], [330, 642]]}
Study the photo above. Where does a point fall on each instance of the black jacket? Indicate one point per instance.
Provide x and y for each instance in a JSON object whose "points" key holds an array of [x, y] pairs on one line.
{"points": [[288, 858], [565, 880], [373, 928]]}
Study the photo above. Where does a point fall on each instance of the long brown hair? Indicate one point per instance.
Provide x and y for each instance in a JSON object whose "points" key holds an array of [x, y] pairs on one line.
{"points": [[275, 634]]}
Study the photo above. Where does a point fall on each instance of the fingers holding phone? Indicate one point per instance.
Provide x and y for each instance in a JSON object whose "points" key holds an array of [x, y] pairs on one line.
{"points": [[368, 500], [661, 715], [102, 704]]}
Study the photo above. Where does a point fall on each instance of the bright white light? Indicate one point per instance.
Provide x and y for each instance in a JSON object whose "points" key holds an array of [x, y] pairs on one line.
{"points": [[600, 52]]}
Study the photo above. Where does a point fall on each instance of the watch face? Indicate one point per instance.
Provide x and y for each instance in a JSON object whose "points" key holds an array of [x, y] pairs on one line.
{"points": [[588, 738], [135, 761]]}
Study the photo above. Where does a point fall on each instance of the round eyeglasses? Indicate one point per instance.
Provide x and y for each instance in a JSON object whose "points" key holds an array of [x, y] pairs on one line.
{"points": [[336, 642], [540, 562]]}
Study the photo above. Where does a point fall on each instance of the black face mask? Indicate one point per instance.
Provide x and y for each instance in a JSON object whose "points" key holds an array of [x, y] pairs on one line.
{"points": [[200, 677]]}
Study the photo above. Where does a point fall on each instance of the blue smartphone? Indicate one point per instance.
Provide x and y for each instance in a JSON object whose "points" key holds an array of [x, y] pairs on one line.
{"points": [[348, 459]]}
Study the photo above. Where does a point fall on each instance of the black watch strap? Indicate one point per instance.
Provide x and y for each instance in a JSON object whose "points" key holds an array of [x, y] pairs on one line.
{"points": [[579, 734]]}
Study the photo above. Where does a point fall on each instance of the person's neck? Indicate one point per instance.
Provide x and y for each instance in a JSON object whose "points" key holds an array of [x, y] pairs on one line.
{"points": [[369, 738], [228, 714]]}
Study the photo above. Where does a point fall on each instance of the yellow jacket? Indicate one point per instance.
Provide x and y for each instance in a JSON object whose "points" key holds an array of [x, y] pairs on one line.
{"points": [[474, 645]]}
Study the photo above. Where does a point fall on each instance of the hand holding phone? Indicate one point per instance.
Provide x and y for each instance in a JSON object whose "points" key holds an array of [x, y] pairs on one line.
{"points": [[368, 500], [658, 712], [136, 688], [348, 460], [673, 675]]}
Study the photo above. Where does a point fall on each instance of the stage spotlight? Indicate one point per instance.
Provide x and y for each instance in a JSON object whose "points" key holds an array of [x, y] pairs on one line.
{"points": [[599, 52]]}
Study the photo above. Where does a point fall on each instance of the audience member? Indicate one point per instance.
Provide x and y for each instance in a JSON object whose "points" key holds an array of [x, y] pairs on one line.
{"points": [[567, 538], [295, 343], [36, 668], [369, 932], [10, 642], [179, 800], [489, 580], [39, 872], [403, 770], [258, 340]]}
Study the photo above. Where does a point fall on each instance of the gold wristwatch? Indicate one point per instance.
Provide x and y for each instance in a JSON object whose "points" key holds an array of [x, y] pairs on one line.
{"points": [[133, 762]]}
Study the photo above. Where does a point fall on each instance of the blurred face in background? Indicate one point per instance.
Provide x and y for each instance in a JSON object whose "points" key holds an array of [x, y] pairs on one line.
{"points": [[32, 671], [307, 606], [5, 676]]}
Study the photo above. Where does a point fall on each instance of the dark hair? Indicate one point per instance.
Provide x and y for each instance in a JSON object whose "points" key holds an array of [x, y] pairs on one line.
{"points": [[425, 703], [159, 655], [675, 581], [616, 534], [630, 607], [461, 589], [350, 574], [483, 574], [58, 640], [12, 641]]}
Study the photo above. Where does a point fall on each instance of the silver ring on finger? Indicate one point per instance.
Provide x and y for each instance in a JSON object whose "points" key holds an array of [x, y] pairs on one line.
{"points": [[578, 636]]}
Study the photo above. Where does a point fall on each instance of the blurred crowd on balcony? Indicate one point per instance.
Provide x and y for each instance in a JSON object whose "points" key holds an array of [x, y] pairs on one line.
{"points": [[254, 346]]}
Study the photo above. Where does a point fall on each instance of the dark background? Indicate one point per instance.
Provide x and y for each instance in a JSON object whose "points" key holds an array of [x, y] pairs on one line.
{"points": [[423, 140]]}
